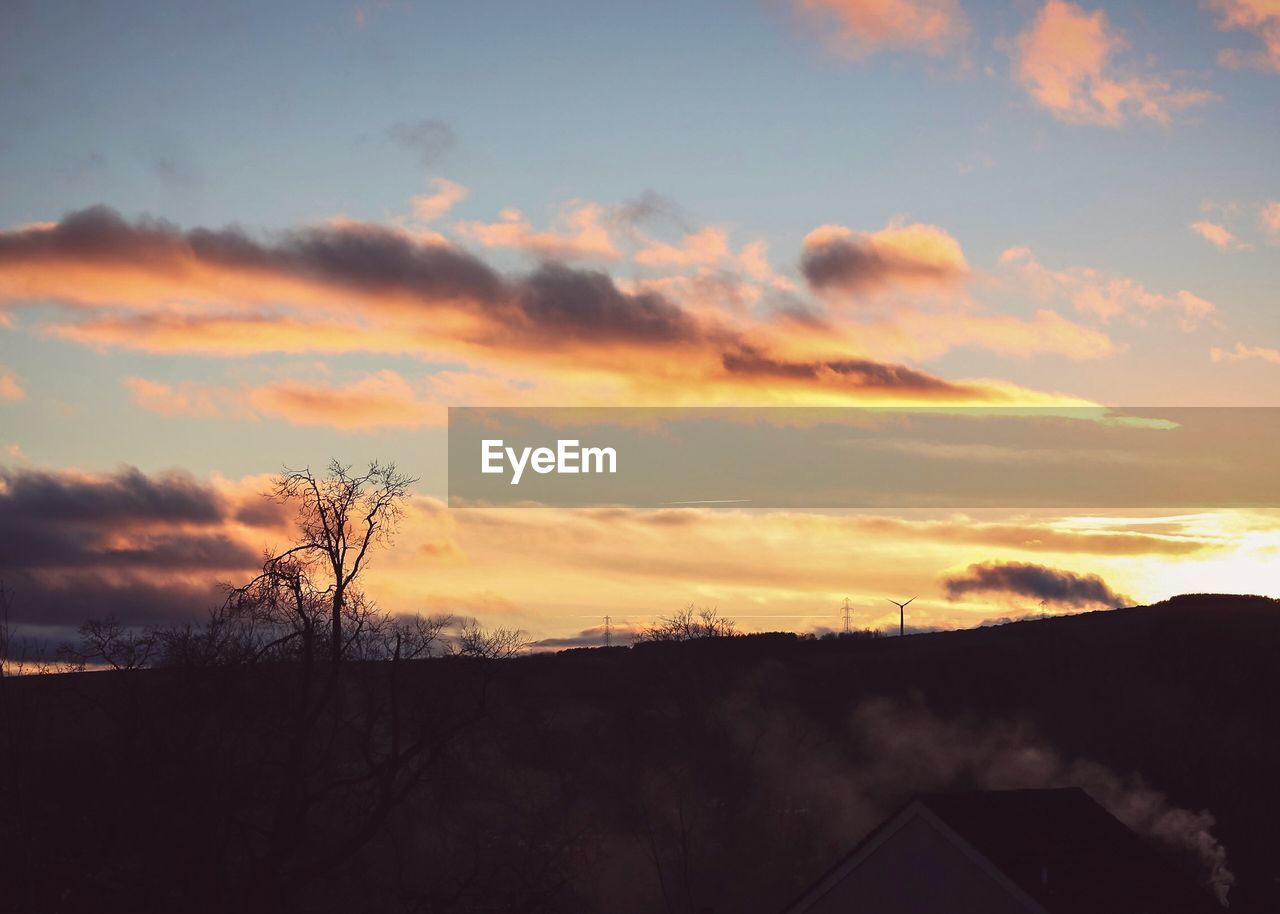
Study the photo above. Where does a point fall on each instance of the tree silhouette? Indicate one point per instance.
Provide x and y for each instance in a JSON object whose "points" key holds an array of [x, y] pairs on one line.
{"points": [[689, 624], [341, 516]]}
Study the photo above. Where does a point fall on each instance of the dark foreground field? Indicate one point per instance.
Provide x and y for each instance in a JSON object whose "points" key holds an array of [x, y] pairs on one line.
{"points": [[720, 775]]}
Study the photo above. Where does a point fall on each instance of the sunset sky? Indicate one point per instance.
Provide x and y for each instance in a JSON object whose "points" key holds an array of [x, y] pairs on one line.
{"points": [[237, 237]]}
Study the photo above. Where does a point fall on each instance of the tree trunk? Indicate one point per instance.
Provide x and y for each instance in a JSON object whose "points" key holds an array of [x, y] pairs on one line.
{"points": [[337, 623]]}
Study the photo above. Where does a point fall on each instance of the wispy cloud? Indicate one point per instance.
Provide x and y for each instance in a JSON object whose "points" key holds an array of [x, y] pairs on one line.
{"points": [[859, 28], [1103, 296], [1218, 235], [1241, 352], [428, 138], [445, 195], [10, 388], [183, 399], [1260, 17], [1066, 61], [1269, 220], [580, 233]]}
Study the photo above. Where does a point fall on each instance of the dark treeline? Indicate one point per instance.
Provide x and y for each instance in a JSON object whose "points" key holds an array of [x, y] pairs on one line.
{"points": [[707, 774]]}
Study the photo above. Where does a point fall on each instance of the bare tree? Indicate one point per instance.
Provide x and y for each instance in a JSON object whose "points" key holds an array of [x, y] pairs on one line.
{"points": [[342, 514], [112, 642], [487, 644], [226, 638], [281, 608], [689, 624], [415, 637]]}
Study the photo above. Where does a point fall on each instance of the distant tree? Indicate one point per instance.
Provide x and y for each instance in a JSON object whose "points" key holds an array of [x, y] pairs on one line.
{"points": [[487, 644], [689, 624], [341, 516], [225, 639], [857, 634], [415, 637], [113, 643]]}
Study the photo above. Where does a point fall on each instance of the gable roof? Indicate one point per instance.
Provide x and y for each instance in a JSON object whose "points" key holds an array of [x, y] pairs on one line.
{"points": [[1068, 853], [1055, 851]]}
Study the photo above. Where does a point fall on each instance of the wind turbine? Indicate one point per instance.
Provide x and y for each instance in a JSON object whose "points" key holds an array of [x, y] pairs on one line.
{"points": [[902, 616]]}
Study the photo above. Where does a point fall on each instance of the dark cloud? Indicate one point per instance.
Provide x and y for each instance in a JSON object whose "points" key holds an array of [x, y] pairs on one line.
{"points": [[592, 637], [588, 306], [1050, 585], [554, 308], [553, 303], [619, 635], [853, 264], [359, 257], [134, 600], [858, 373], [40, 496], [651, 206], [61, 546], [383, 260], [145, 548], [429, 139]]}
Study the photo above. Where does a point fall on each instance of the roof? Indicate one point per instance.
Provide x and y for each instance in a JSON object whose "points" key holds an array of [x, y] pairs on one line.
{"points": [[1058, 850], [1067, 852]]}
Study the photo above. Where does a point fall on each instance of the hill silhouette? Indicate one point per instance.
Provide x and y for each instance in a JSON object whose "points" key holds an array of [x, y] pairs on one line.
{"points": [[719, 774]]}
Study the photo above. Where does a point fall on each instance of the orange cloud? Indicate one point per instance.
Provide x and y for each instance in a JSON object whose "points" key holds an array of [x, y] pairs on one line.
{"points": [[860, 28], [383, 399], [708, 251], [354, 286], [838, 258], [1065, 61], [582, 234], [232, 335], [1217, 234], [10, 388], [1269, 220], [754, 261], [185, 399], [1262, 18], [915, 258], [447, 194], [702, 248], [380, 400]]}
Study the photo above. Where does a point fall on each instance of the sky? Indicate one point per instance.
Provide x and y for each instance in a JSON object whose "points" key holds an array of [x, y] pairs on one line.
{"points": [[235, 237]]}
